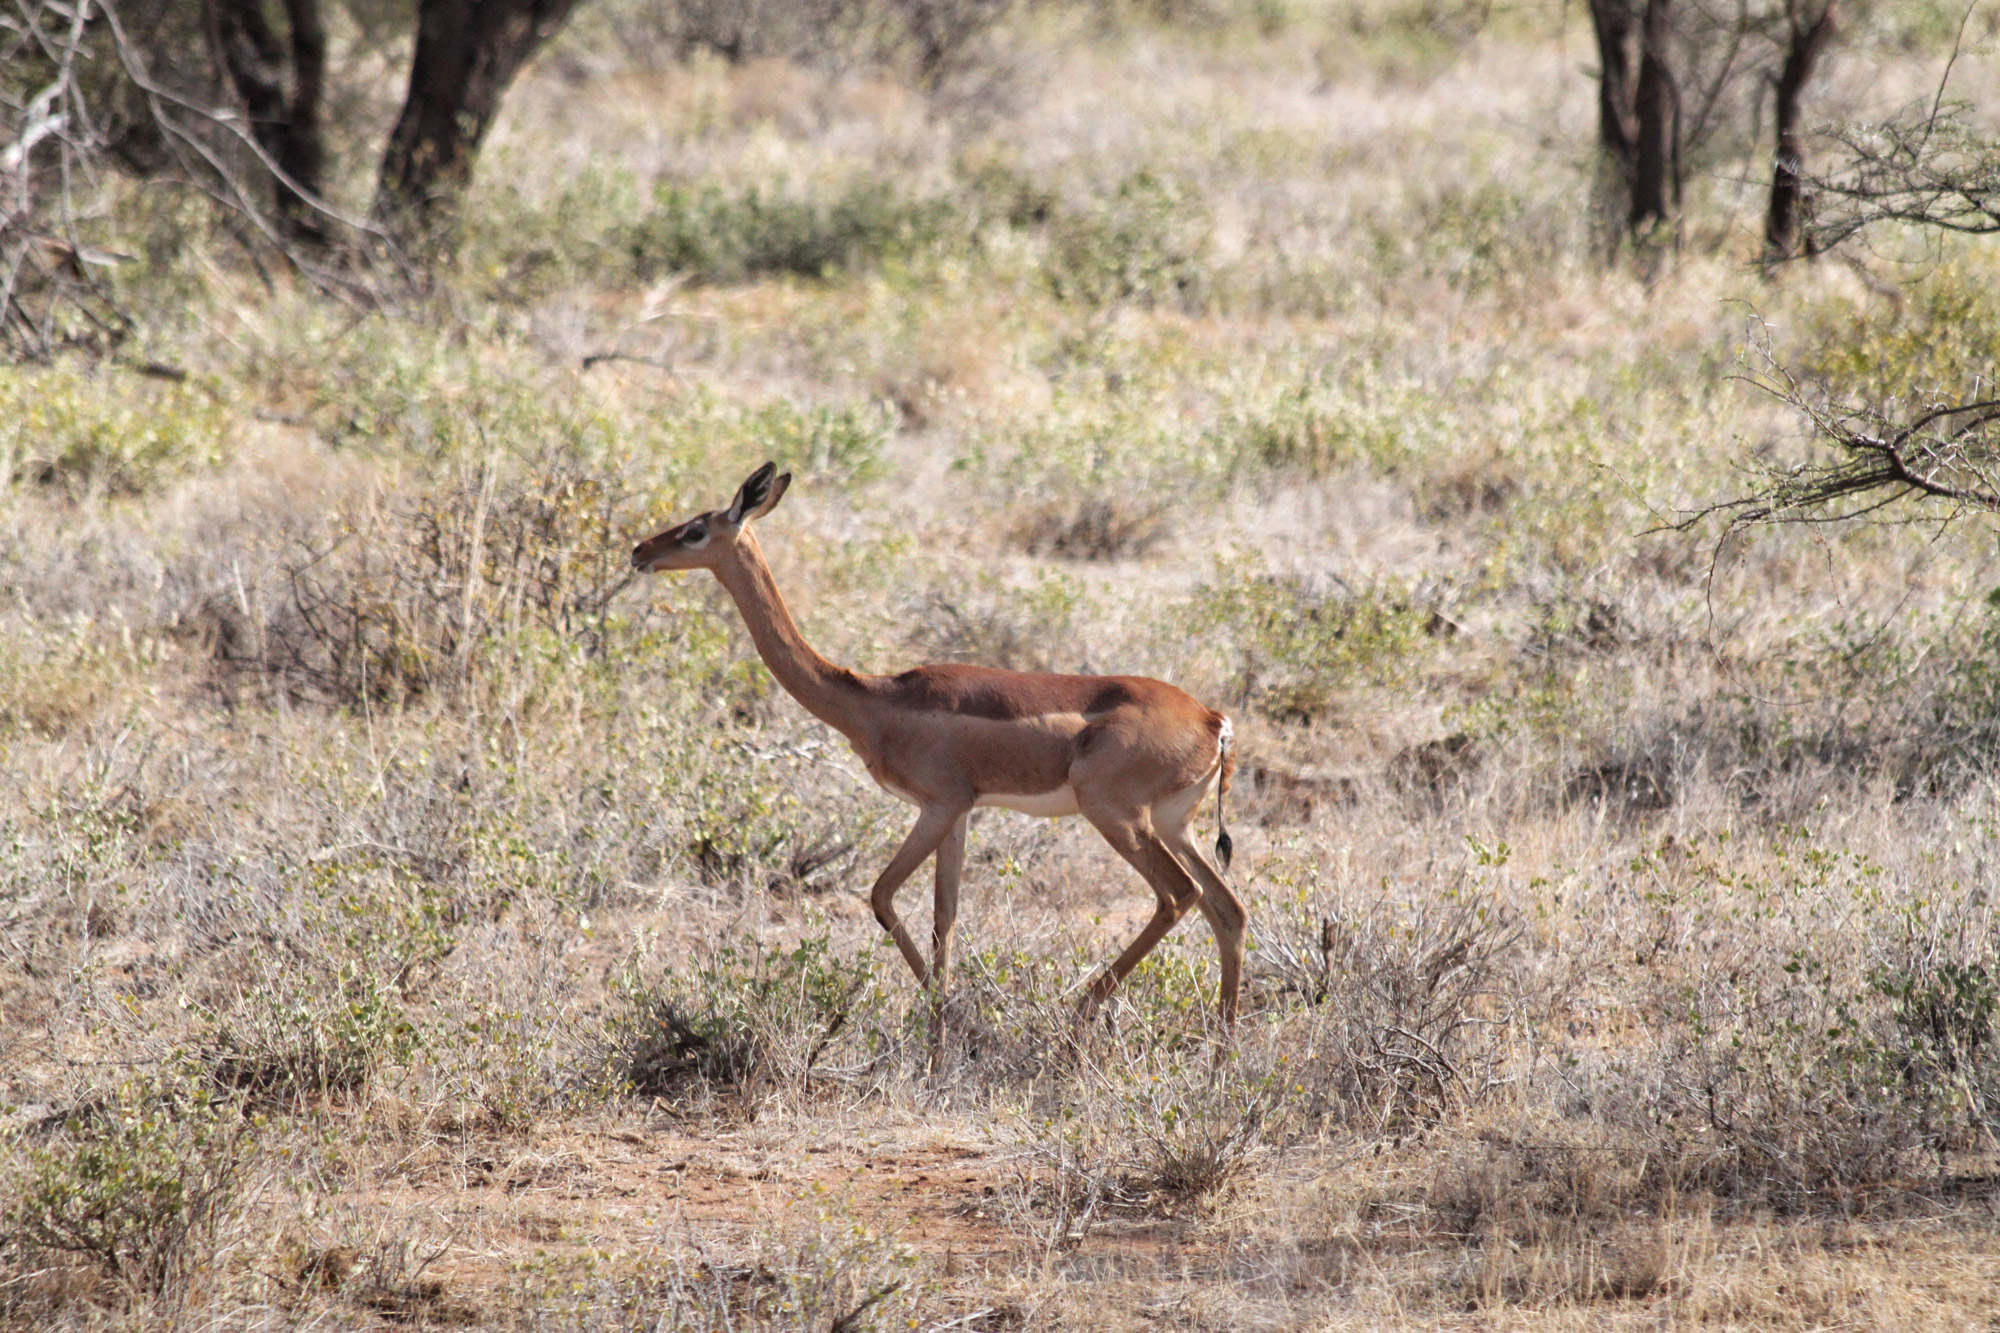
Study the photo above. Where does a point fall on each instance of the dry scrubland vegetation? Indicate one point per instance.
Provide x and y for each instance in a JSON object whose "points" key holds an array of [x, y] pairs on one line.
{"points": [[406, 916]]}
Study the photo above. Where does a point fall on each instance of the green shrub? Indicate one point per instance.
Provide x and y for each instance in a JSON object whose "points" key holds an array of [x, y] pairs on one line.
{"points": [[1299, 645], [417, 598], [712, 236], [296, 1036], [55, 679], [514, 249], [1476, 237], [110, 433], [1198, 1121], [743, 1016], [1146, 244], [1957, 729], [1409, 41], [1822, 1035], [1310, 429], [837, 445], [141, 1189], [1937, 343]]}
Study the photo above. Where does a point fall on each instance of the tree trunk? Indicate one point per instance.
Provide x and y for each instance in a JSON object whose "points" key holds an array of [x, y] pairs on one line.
{"points": [[1656, 105], [286, 126], [1807, 43], [1612, 21], [468, 52], [1639, 121]]}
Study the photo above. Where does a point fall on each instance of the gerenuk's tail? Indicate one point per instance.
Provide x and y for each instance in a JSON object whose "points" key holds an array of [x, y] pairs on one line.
{"points": [[1225, 744]]}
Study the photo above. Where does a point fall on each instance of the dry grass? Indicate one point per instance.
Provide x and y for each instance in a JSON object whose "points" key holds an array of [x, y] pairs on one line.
{"points": [[404, 918]]}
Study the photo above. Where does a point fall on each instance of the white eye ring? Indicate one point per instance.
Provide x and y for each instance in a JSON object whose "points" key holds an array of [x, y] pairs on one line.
{"points": [[694, 543]]}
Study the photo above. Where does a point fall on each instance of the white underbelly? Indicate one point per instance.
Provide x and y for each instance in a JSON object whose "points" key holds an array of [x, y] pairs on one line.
{"points": [[1050, 804], [897, 792]]}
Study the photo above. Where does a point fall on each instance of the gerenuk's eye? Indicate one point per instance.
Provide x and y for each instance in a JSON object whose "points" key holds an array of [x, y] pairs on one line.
{"points": [[695, 537]]}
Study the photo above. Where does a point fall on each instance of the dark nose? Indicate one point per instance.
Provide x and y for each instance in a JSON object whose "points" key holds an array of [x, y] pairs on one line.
{"points": [[639, 556]]}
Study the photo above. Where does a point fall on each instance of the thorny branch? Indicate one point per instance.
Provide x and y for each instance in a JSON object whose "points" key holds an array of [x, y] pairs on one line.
{"points": [[1876, 455], [54, 142], [1929, 169], [48, 290]]}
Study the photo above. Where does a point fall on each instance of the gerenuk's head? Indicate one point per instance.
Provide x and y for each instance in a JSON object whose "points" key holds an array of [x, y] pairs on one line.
{"points": [[703, 541]]}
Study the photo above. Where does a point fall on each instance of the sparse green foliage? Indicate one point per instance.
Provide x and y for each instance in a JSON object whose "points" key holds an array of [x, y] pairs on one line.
{"points": [[1938, 340], [1309, 430], [1298, 649], [112, 432], [1145, 243], [713, 237], [141, 1187], [293, 1037], [743, 1016], [423, 596]]}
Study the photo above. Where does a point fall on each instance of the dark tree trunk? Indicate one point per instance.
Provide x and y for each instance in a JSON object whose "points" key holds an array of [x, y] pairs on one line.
{"points": [[1808, 41], [468, 51], [1612, 20], [285, 124], [1638, 118], [1656, 105]]}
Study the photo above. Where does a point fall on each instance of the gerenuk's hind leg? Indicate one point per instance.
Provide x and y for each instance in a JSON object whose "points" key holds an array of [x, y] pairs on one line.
{"points": [[1226, 917], [1132, 835]]}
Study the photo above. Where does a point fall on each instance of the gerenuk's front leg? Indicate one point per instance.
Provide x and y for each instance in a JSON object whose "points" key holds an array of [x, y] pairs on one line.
{"points": [[934, 825], [944, 913]]}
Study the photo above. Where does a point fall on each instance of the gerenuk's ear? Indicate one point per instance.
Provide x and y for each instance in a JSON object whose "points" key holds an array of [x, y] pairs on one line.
{"points": [[759, 494], [756, 488], [784, 479]]}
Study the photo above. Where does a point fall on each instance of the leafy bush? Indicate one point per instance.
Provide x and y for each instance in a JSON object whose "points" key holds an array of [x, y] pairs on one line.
{"points": [[293, 1036], [1299, 645], [1806, 1082], [1956, 730], [53, 680], [1311, 430], [744, 823], [1405, 41], [716, 237], [1844, 1041], [840, 446], [414, 598], [1477, 237], [1199, 1120], [1146, 244], [68, 430], [368, 933], [1938, 341], [142, 1188], [745, 1016]]}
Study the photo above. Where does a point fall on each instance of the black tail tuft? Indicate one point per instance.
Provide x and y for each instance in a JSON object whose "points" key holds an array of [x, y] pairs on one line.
{"points": [[1225, 760]]}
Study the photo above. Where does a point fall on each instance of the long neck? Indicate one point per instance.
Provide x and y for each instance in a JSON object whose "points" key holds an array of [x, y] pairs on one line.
{"points": [[829, 693]]}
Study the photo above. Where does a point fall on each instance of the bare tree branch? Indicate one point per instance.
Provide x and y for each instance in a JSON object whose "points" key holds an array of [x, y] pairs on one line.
{"points": [[1871, 457], [1931, 170]]}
